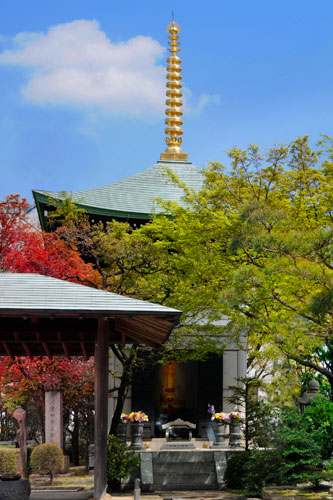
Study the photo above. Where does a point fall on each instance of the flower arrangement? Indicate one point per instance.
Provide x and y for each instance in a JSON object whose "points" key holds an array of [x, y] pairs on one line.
{"points": [[211, 409], [227, 418], [134, 416], [218, 416], [221, 417], [235, 417]]}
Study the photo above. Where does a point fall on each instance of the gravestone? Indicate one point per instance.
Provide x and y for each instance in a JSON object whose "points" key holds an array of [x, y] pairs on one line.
{"points": [[53, 418], [91, 456]]}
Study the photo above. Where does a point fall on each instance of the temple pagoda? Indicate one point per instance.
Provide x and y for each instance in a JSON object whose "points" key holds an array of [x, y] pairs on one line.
{"points": [[133, 199], [177, 390]]}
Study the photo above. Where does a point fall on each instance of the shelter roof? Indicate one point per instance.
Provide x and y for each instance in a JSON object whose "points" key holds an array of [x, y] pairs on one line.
{"points": [[42, 316], [134, 196]]}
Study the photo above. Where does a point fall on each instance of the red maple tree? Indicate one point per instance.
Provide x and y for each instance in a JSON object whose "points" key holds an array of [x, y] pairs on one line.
{"points": [[23, 379], [25, 248]]}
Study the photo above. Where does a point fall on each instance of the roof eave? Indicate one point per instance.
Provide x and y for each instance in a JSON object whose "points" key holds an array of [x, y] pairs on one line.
{"points": [[41, 198]]}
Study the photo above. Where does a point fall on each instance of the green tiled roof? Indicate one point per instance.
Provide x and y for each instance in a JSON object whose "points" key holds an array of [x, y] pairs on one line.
{"points": [[134, 196], [32, 292], [44, 316]]}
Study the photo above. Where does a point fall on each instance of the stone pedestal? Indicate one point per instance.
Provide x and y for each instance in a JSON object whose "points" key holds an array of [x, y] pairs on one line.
{"points": [[235, 436], [220, 435], [121, 432], [53, 418], [137, 436], [15, 490]]}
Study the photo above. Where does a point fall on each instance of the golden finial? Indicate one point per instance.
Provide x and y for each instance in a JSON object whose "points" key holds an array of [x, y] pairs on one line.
{"points": [[174, 101]]}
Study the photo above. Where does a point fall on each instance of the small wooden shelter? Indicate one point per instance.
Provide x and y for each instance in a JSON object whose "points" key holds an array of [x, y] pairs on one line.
{"points": [[43, 316]]}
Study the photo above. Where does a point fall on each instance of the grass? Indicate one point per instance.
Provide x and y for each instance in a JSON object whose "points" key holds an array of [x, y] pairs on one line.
{"points": [[80, 480]]}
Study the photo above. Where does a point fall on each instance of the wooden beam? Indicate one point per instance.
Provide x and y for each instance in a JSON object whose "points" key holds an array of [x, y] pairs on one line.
{"points": [[47, 350], [83, 345], [64, 346], [139, 327], [155, 322], [137, 336], [101, 408], [27, 350], [8, 351]]}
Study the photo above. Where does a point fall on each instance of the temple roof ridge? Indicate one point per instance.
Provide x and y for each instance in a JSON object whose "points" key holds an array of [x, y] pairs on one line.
{"points": [[135, 195]]}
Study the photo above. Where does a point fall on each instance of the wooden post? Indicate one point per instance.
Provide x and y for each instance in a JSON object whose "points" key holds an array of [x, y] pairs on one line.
{"points": [[101, 408], [20, 423]]}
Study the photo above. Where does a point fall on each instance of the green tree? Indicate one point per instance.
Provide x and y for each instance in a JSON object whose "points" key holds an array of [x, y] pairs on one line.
{"points": [[260, 415], [138, 264], [250, 253], [255, 244]]}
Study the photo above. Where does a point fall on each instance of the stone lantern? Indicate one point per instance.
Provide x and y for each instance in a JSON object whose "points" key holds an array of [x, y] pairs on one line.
{"points": [[312, 392]]}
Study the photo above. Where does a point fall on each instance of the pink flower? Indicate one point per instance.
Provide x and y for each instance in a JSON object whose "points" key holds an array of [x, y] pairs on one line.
{"points": [[137, 416]]}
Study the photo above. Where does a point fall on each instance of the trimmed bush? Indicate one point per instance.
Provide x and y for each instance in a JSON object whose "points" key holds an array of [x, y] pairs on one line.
{"points": [[46, 458], [120, 462], [9, 460]]}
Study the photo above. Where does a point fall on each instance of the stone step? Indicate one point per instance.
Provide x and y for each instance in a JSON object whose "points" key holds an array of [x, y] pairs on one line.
{"points": [[181, 487], [185, 467], [191, 479], [184, 456]]}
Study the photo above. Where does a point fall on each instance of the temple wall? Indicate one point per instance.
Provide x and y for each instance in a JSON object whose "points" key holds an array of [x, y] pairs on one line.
{"points": [[212, 380], [116, 367]]}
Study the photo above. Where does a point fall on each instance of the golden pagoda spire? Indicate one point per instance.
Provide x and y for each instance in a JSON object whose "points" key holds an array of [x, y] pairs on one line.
{"points": [[174, 101]]}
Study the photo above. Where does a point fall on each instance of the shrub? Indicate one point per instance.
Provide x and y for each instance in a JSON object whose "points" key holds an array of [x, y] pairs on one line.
{"points": [[120, 462], [46, 458], [300, 449], [234, 473], [251, 470], [317, 419], [327, 472], [262, 468], [301, 443], [9, 461]]}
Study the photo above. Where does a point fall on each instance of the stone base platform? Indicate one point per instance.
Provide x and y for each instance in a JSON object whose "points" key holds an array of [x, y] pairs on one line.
{"points": [[168, 470]]}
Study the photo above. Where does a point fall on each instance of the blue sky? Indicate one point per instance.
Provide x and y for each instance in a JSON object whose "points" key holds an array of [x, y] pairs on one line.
{"points": [[82, 84]]}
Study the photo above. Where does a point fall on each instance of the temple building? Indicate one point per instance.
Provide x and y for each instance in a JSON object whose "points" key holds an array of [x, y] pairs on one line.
{"points": [[177, 390]]}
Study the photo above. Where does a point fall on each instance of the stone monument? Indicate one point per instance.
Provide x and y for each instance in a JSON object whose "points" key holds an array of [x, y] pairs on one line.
{"points": [[54, 418]]}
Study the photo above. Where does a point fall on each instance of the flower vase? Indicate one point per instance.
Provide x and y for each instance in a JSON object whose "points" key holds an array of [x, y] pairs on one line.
{"points": [[121, 432], [235, 436], [220, 435], [137, 436]]}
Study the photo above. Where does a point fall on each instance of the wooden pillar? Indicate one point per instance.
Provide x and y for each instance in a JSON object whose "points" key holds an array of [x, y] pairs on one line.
{"points": [[20, 422], [101, 408]]}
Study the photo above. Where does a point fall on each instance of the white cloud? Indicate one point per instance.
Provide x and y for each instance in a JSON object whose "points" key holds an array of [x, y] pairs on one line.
{"points": [[75, 63], [194, 106]]}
